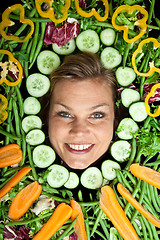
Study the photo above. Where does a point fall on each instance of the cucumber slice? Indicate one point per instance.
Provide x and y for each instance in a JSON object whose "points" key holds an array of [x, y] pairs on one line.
{"points": [[31, 122], [138, 111], [129, 96], [47, 61], [110, 57], [108, 169], [88, 40], [57, 176], [31, 105], [107, 36], [35, 137], [69, 47], [37, 84], [91, 178], [125, 76], [43, 156], [127, 128], [73, 181], [120, 150]]}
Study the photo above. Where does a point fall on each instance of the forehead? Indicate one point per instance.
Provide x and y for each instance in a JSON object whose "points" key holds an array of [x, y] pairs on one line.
{"points": [[94, 91]]}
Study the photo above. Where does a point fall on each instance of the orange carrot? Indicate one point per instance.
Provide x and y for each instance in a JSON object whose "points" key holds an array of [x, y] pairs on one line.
{"points": [[10, 154], [113, 210], [79, 225], [61, 214], [127, 195], [24, 199], [146, 174], [14, 180]]}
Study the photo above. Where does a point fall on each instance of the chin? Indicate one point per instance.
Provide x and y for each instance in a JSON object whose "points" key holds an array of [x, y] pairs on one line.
{"points": [[78, 165]]}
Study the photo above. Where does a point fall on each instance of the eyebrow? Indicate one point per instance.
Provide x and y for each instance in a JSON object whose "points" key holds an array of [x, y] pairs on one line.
{"points": [[92, 108]]}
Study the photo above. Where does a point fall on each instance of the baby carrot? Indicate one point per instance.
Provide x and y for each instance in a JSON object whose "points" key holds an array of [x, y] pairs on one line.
{"points": [[14, 180], [24, 199]]}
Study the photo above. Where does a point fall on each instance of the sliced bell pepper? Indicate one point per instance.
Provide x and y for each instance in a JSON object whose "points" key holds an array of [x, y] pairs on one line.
{"points": [[49, 13], [17, 63], [140, 23], [3, 108], [151, 94], [93, 12], [6, 22], [156, 44]]}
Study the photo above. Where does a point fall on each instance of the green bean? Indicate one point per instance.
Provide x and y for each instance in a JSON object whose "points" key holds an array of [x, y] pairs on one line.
{"points": [[126, 52], [17, 120], [65, 233], [11, 171], [104, 227], [100, 234], [31, 162], [35, 40], [132, 155], [25, 222], [7, 180], [27, 62], [40, 43], [154, 231], [8, 128], [20, 101], [153, 198], [87, 229], [148, 227], [80, 197], [158, 22], [143, 229], [131, 177], [96, 222], [125, 182], [118, 198], [156, 196], [49, 189], [3, 132], [148, 192], [151, 11], [58, 199], [85, 204]]}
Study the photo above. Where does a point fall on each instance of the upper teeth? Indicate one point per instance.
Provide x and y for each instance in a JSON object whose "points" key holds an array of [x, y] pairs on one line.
{"points": [[79, 147]]}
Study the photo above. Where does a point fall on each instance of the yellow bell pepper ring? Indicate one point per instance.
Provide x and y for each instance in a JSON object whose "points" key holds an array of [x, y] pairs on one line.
{"points": [[3, 108], [93, 12], [140, 23], [151, 94], [16, 63], [6, 22], [152, 69], [49, 13]]}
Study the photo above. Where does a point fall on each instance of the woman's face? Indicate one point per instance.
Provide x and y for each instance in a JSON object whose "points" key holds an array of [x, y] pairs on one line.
{"points": [[81, 120]]}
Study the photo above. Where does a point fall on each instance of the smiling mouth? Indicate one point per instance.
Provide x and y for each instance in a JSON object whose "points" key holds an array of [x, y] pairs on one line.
{"points": [[79, 148]]}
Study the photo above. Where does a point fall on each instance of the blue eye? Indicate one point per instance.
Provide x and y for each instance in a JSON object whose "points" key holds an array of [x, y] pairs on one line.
{"points": [[64, 114], [97, 115]]}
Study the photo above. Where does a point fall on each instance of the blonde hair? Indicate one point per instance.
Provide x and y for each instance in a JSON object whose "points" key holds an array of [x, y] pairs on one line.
{"points": [[78, 67]]}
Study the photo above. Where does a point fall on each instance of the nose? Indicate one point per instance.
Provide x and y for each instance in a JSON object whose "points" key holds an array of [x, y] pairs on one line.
{"points": [[79, 127]]}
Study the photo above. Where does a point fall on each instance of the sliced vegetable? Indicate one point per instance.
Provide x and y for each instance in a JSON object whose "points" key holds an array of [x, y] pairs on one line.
{"points": [[140, 23], [120, 150], [50, 12], [129, 96], [127, 128], [3, 108], [110, 57], [11, 60], [61, 214], [14, 180], [113, 210], [6, 22], [65, 50], [108, 36], [37, 84], [23, 200], [43, 156], [146, 174], [88, 40], [138, 112], [108, 169], [31, 122], [91, 178], [149, 95], [10, 154], [93, 12], [31, 105], [57, 176], [127, 195], [47, 61], [125, 76], [79, 226], [152, 67], [73, 181], [35, 137]]}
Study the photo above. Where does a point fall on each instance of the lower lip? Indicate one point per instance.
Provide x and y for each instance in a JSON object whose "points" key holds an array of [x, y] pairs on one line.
{"points": [[79, 151]]}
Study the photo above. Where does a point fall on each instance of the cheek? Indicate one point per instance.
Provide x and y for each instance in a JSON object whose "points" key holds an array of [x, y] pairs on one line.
{"points": [[56, 130]]}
